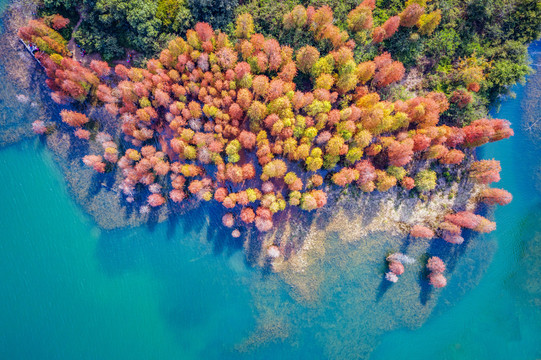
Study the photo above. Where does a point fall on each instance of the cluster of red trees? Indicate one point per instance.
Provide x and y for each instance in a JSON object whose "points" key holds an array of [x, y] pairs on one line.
{"points": [[452, 225], [223, 120], [45, 38], [436, 267], [69, 79], [396, 266]]}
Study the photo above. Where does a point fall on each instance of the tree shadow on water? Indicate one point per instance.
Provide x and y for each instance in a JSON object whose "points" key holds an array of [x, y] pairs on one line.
{"points": [[405, 244], [205, 218], [78, 148], [221, 237], [172, 224], [188, 272], [130, 207], [426, 289], [153, 219], [384, 285], [450, 255], [96, 185], [253, 247], [267, 271]]}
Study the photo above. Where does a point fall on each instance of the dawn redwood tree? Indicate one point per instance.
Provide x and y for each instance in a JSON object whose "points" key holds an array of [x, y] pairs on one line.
{"points": [[39, 127], [435, 264], [228, 220], [496, 196], [345, 176], [452, 157], [482, 131], [101, 68], [95, 161], [307, 56], [461, 98], [465, 219], [401, 153], [437, 280], [407, 183], [73, 118], [388, 72], [391, 26], [452, 238], [155, 200], [469, 220], [411, 15], [421, 231], [247, 215], [396, 267], [485, 171], [59, 22], [360, 18]]}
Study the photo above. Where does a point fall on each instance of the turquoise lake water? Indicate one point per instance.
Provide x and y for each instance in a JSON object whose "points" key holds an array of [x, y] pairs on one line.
{"points": [[73, 291]]}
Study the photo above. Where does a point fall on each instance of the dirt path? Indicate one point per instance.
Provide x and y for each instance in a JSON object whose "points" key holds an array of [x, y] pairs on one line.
{"points": [[71, 44]]}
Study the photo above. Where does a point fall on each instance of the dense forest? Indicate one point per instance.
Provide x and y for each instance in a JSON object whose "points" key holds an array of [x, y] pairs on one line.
{"points": [[264, 105], [486, 35]]}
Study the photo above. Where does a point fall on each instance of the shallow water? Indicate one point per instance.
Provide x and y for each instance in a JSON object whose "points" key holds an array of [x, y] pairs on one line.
{"points": [[169, 291]]}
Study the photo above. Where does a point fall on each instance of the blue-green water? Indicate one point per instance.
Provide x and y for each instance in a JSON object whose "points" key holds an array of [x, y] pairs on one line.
{"points": [[72, 291]]}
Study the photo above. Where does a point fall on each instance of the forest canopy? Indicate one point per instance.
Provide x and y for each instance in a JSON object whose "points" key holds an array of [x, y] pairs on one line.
{"points": [[483, 42]]}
